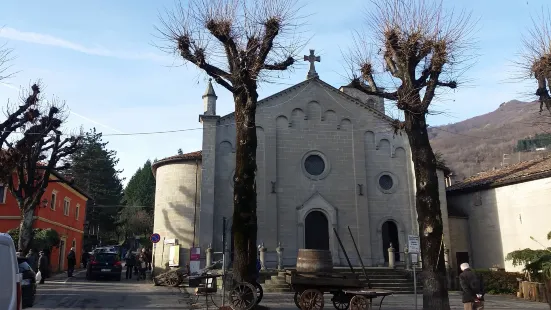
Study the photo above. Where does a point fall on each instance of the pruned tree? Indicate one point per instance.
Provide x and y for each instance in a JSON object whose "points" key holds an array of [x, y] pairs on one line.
{"points": [[238, 43], [535, 59], [415, 48], [41, 151]]}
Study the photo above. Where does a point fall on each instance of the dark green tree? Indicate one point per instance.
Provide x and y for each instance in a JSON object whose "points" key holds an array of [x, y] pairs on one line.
{"points": [[94, 169], [140, 191]]}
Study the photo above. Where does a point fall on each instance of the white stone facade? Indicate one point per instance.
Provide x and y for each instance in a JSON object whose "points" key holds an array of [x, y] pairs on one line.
{"points": [[501, 220], [359, 175]]}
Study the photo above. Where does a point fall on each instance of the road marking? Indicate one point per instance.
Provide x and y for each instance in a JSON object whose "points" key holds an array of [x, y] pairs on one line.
{"points": [[74, 274]]}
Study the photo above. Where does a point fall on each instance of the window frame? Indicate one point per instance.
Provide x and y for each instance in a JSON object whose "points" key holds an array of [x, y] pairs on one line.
{"points": [[53, 201], [77, 211], [4, 194], [66, 206]]}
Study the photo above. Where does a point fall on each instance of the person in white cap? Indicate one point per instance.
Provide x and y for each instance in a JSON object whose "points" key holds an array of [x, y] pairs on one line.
{"points": [[473, 288]]}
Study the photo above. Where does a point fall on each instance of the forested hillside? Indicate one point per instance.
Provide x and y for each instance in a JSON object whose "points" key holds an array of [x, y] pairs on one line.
{"points": [[479, 143]]}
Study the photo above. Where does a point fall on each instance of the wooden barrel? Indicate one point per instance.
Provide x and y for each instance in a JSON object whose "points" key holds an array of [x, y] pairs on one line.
{"points": [[309, 260]]}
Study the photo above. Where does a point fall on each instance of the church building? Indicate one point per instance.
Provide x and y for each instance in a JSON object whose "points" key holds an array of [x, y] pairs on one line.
{"points": [[327, 159]]}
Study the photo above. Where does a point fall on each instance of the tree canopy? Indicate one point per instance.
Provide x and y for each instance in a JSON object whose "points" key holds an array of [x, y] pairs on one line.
{"points": [[94, 170], [140, 190]]}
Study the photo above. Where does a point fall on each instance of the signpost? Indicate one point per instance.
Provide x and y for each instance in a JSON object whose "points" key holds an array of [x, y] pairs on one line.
{"points": [[414, 248], [155, 238]]}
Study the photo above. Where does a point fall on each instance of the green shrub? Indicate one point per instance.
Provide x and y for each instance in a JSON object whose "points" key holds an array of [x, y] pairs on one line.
{"points": [[500, 282]]}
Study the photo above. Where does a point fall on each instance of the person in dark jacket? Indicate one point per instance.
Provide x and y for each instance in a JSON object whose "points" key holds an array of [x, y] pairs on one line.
{"points": [[43, 266], [85, 258], [32, 260], [71, 262], [473, 288], [130, 261]]}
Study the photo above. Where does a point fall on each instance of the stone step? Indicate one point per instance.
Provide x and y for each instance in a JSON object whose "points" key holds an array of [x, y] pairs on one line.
{"points": [[277, 290], [275, 285], [277, 280], [281, 274]]}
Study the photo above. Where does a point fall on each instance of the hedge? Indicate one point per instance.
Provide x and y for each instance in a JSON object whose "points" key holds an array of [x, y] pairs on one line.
{"points": [[500, 282]]}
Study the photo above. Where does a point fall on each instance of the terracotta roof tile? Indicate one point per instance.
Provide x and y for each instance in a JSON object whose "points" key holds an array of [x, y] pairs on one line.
{"points": [[521, 172]]}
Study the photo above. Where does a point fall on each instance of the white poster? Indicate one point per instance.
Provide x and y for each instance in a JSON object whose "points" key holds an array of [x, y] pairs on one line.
{"points": [[414, 247]]}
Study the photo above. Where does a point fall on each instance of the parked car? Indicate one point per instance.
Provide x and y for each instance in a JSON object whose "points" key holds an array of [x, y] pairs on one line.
{"points": [[10, 277], [104, 264], [28, 283]]}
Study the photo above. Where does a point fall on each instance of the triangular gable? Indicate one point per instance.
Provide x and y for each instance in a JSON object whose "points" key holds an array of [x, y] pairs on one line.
{"points": [[323, 84]]}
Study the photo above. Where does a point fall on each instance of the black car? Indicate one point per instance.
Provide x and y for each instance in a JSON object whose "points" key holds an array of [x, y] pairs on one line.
{"points": [[104, 264], [28, 285]]}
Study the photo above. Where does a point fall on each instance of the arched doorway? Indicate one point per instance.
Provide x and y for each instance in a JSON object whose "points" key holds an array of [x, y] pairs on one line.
{"points": [[390, 235], [316, 231]]}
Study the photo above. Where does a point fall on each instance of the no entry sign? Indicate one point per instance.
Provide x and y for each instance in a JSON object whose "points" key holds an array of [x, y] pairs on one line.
{"points": [[155, 238]]}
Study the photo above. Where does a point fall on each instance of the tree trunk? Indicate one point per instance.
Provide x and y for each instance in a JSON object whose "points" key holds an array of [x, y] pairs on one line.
{"points": [[429, 215], [26, 229], [244, 226]]}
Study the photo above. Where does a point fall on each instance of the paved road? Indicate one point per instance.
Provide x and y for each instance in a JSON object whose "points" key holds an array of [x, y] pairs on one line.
{"points": [[284, 301], [79, 293]]}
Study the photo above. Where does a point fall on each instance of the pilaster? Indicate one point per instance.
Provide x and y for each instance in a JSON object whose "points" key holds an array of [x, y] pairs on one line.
{"points": [[206, 211]]}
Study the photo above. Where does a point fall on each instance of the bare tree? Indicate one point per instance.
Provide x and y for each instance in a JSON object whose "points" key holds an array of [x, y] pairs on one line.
{"points": [[237, 43], [535, 59], [41, 151], [419, 47]]}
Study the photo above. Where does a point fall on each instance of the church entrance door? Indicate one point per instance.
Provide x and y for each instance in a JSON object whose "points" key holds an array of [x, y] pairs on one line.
{"points": [[316, 231], [390, 235]]}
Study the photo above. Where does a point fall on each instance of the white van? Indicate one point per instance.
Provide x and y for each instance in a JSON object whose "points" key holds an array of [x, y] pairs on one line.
{"points": [[11, 297]]}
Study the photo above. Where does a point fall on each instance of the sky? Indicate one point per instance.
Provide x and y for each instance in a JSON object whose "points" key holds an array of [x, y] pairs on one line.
{"points": [[101, 58]]}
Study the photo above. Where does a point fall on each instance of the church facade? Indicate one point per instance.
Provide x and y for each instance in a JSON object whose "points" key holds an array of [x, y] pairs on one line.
{"points": [[327, 159]]}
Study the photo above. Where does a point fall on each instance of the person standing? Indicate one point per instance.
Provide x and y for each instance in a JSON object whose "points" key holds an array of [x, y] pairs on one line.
{"points": [[43, 266], [472, 287], [71, 262], [149, 256], [130, 261], [32, 260], [84, 259]]}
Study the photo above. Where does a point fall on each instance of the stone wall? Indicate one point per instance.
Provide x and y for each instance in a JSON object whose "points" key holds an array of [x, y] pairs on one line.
{"points": [[175, 196], [503, 219], [357, 145]]}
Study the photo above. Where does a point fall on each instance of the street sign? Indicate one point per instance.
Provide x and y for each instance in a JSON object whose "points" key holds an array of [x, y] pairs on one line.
{"points": [[414, 245], [155, 238]]}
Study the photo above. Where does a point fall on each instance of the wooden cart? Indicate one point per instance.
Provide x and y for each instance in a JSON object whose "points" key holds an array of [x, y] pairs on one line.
{"points": [[310, 287]]}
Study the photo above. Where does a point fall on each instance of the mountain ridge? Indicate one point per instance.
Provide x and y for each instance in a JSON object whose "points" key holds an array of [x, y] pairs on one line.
{"points": [[479, 143]]}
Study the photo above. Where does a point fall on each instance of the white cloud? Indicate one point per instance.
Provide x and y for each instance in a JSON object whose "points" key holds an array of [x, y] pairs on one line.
{"points": [[45, 39]]}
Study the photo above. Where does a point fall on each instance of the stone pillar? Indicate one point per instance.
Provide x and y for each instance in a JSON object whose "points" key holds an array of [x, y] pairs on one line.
{"points": [[406, 257], [208, 256], [279, 251], [391, 257], [262, 250], [205, 229]]}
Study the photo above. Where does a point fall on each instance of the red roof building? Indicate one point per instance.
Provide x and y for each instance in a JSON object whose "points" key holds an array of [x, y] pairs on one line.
{"points": [[62, 208]]}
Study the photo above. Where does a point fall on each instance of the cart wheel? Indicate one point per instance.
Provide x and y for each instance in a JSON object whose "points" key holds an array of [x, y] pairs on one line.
{"points": [[259, 292], [341, 301], [242, 296], [359, 302], [311, 299], [172, 281], [297, 299]]}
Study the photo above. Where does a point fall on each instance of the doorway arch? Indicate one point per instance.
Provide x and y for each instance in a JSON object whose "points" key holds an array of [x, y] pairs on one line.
{"points": [[390, 235], [316, 231]]}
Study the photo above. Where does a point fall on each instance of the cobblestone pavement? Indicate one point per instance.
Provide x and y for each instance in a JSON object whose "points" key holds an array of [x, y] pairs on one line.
{"points": [[284, 301], [60, 292]]}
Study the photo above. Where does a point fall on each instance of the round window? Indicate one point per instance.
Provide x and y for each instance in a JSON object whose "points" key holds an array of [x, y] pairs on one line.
{"points": [[314, 165], [386, 182]]}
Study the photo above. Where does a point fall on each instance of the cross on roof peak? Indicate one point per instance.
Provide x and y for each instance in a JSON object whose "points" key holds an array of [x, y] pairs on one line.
{"points": [[312, 58]]}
